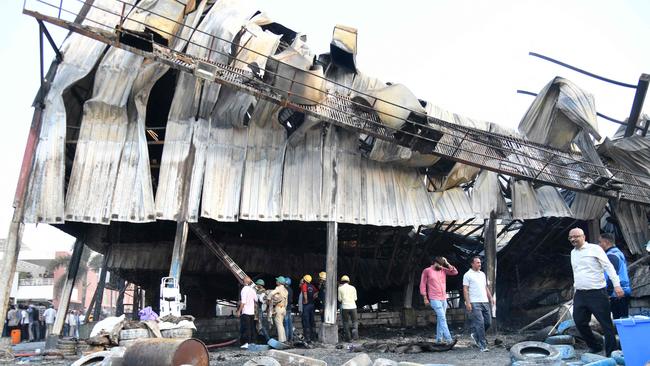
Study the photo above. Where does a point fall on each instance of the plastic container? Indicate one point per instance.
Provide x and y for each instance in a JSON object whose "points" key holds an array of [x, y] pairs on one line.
{"points": [[15, 336], [634, 333]]}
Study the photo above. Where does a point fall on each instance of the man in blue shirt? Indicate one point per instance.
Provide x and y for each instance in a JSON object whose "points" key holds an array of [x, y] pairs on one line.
{"points": [[619, 306]]}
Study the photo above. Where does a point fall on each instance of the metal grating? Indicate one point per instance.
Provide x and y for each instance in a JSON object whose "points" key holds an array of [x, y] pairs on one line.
{"points": [[504, 154]]}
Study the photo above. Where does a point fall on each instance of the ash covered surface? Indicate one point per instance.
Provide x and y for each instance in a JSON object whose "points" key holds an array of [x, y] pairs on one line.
{"points": [[464, 353]]}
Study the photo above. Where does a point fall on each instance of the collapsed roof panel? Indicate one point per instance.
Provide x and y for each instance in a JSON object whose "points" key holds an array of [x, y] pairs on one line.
{"points": [[587, 206], [452, 204], [487, 196], [558, 113], [45, 193], [525, 204], [632, 153], [633, 222], [552, 203]]}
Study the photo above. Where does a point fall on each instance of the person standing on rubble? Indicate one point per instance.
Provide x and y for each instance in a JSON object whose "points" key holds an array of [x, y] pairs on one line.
{"points": [[589, 262], [433, 288], [263, 323], [478, 301], [288, 321], [308, 294], [347, 295], [278, 298], [619, 306], [246, 313]]}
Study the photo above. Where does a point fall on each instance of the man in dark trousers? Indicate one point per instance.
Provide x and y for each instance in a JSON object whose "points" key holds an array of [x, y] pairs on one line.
{"points": [[589, 262], [619, 306], [308, 294], [246, 313]]}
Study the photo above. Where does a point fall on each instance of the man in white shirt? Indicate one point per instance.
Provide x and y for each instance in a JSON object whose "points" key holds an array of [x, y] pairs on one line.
{"points": [[478, 301], [246, 312], [50, 316], [347, 295], [590, 263]]}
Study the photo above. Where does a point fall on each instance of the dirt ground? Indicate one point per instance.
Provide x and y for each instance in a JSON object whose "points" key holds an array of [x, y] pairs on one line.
{"points": [[463, 354]]}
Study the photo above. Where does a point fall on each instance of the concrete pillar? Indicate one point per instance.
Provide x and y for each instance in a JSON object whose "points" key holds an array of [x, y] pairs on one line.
{"points": [[71, 276], [329, 329]]}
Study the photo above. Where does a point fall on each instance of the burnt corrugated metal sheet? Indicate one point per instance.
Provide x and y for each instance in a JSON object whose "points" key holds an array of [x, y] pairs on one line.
{"points": [[101, 139], [633, 222], [632, 153], [525, 205], [552, 203], [487, 197], [452, 204], [559, 112], [303, 176], [45, 196], [588, 207], [261, 198], [193, 99]]}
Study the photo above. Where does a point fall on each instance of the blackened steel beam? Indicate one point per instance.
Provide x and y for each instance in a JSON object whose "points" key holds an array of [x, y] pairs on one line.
{"points": [[637, 104]]}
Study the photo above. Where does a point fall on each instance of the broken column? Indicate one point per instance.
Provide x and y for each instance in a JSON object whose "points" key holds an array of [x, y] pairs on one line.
{"points": [[409, 318], [490, 245], [329, 333]]}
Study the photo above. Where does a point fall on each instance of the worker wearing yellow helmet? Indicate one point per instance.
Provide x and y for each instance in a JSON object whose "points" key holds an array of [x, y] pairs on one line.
{"points": [[322, 291], [347, 295], [308, 295]]}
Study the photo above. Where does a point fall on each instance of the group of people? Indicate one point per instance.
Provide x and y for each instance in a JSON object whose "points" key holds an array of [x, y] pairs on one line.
{"points": [[476, 293], [34, 321], [259, 307], [601, 284]]}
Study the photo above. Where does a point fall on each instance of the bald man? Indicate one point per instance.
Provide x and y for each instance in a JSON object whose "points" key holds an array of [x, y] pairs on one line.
{"points": [[589, 263]]}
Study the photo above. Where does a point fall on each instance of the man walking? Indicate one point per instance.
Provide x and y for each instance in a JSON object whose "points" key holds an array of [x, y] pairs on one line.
{"points": [[589, 262], [477, 302], [308, 294], [619, 306], [246, 313], [347, 296], [50, 316], [278, 298], [433, 288]]}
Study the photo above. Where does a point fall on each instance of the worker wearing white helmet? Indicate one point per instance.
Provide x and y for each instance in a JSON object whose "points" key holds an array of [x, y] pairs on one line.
{"points": [[348, 298]]}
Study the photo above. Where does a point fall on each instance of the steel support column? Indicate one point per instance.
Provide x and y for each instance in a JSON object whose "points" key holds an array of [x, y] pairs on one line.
{"points": [[71, 276], [329, 329], [490, 245]]}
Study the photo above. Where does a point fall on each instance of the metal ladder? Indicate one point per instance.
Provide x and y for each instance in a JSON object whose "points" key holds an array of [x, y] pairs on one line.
{"points": [[217, 250]]}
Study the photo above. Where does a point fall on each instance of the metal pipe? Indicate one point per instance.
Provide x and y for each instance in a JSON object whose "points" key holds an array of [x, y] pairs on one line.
{"points": [[637, 104]]}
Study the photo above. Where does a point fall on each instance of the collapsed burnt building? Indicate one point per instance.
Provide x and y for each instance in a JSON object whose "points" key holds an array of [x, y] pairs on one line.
{"points": [[158, 116]]}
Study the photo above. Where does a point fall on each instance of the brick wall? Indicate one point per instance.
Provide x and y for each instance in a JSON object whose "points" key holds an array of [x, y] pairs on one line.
{"points": [[226, 327]]}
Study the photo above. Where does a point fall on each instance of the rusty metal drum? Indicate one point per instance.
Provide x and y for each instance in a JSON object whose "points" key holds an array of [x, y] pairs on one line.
{"points": [[167, 352]]}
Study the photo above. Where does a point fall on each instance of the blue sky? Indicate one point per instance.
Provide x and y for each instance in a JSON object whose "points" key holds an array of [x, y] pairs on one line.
{"points": [[469, 57]]}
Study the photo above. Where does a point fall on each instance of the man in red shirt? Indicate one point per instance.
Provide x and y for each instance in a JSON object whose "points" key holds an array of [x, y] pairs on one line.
{"points": [[433, 288]]}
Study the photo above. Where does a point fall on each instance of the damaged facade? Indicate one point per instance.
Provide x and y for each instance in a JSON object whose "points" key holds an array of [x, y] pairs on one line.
{"points": [[130, 149]]}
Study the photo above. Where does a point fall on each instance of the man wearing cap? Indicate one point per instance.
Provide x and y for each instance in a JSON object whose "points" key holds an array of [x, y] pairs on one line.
{"points": [[263, 323], [589, 262], [347, 295], [278, 298], [246, 312], [308, 294], [288, 321], [619, 306]]}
